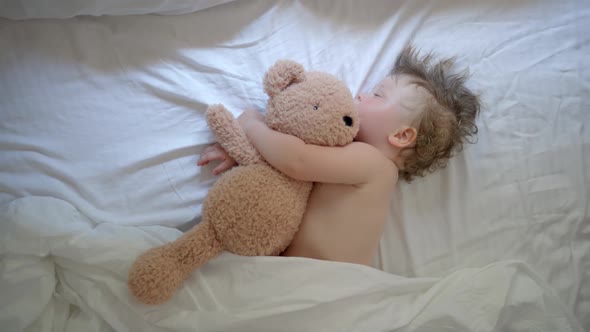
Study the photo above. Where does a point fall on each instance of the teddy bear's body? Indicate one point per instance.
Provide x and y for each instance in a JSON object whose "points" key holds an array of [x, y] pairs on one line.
{"points": [[253, 209], [271, 228]]}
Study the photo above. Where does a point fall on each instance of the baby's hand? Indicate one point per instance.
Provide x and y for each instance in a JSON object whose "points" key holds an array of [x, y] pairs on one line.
{"points": [[249, 115], [216, 152]]}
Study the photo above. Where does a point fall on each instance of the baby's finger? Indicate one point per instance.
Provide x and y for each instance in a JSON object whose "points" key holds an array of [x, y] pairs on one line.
{"points": [[224, 166], [203, 156], [208, 156]]}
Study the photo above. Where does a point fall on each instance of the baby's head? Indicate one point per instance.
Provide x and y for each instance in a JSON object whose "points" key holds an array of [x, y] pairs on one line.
{"points": [[420, 115]]}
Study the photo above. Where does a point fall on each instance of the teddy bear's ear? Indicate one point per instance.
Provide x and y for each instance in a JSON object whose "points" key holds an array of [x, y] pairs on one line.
{"points": [[282, 74]]}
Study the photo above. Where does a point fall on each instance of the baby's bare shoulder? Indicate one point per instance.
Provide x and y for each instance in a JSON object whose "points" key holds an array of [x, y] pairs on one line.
{"points": [[382, 166], [367, 152]]}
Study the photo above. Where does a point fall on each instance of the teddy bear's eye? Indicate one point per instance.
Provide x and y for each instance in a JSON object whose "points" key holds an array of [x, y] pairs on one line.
{"points": [[315, 107]]}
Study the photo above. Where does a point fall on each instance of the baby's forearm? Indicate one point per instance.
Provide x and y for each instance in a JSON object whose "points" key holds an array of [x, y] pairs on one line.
{"points": [[278, 149]]}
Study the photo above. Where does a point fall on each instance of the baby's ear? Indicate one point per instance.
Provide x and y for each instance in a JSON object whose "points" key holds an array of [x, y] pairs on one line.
{"points": [[282, 74], [403, 138]]}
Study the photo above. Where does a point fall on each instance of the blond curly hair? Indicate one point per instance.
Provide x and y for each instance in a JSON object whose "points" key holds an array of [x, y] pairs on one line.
{"points": [[448, 117]]}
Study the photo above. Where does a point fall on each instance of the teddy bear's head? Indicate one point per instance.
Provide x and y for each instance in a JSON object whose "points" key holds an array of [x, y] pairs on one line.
{"points": [[313, 106]]}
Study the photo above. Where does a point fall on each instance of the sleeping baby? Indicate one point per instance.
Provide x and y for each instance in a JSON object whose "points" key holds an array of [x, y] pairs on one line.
{"points": [[417, 118]]}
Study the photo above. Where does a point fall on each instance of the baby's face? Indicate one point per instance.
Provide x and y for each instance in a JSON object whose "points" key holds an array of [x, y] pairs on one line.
{"points": [[394, 103]]}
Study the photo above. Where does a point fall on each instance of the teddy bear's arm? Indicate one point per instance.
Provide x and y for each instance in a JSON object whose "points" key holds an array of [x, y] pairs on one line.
{"points": [[230, 135]]}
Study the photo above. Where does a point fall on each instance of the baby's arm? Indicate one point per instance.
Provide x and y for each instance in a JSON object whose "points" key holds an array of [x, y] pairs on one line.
{"points": [[354, 163]]}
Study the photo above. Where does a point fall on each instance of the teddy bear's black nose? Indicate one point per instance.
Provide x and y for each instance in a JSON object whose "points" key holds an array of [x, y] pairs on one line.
{"points": [[347, 121]]}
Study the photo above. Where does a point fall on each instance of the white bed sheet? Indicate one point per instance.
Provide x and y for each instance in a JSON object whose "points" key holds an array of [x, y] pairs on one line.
{"points": [[107, 114], [23, 9]]}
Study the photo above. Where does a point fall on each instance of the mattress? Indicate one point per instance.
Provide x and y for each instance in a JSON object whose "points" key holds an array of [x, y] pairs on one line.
{"points": [[102, 118]]}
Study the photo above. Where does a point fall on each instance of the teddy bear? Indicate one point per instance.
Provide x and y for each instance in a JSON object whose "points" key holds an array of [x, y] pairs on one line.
{"points": [[253, 209]]}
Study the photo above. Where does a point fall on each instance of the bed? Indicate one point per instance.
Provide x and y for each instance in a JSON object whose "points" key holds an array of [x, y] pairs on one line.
{"points": [[101, 125]]}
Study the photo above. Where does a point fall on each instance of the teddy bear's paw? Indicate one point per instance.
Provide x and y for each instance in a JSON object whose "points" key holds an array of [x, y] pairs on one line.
{"points": [[214, 109], [218, 117], [155, 277]]}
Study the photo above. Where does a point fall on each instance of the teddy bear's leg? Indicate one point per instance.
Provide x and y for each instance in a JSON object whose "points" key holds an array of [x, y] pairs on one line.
{"points": [[230, 135], [157, 274]]}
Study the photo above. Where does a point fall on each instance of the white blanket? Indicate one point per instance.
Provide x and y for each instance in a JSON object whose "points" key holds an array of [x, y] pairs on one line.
{"points": [[62, 271]]}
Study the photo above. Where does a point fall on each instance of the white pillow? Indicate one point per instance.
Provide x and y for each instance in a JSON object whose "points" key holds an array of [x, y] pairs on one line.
{"points": [[31, 9]]}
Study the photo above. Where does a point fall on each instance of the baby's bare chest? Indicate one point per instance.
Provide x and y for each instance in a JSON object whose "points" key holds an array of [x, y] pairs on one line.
{"points": [[342, 223], [348, 206]]}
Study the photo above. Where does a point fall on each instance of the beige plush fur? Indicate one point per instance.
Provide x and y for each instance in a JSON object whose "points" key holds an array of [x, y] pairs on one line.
{"points": [[253, 209]]}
